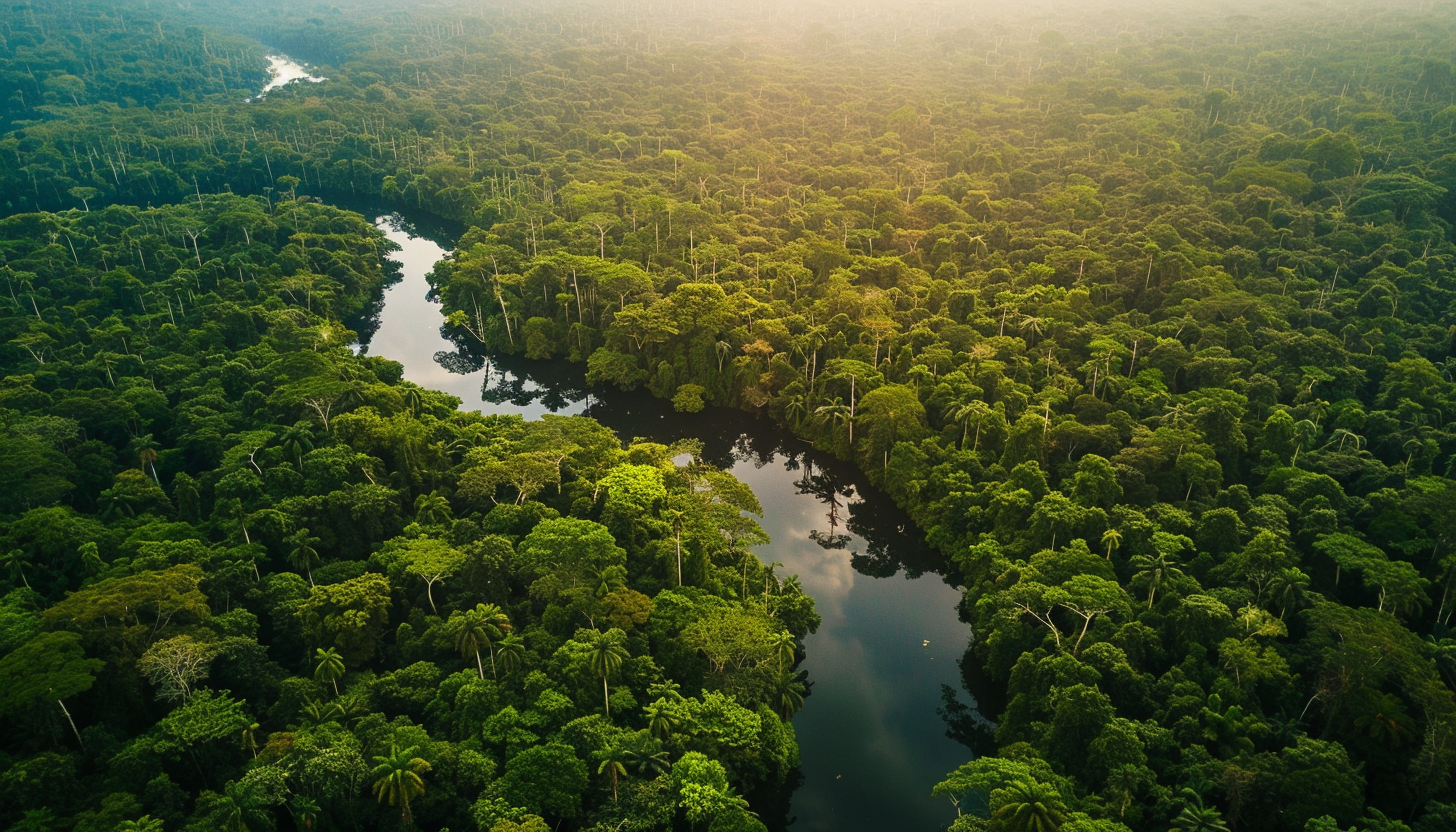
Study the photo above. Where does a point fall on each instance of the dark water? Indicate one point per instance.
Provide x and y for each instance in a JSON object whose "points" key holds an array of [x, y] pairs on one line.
{"points": [[872, 742]]}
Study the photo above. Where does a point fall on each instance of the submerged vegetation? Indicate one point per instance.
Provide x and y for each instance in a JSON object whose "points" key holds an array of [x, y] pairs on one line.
{"points": [[1145, 316]]}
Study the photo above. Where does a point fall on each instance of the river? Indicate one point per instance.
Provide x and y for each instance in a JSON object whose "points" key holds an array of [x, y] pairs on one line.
{"points": [[871, 741]]}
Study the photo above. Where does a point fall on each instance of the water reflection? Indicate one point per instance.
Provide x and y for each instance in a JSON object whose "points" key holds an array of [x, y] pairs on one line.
{"points": [[871, 741], [285, 71]]}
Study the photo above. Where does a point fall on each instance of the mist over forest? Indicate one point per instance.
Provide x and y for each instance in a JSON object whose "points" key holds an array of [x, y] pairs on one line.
{"points": [[1132, 325]]}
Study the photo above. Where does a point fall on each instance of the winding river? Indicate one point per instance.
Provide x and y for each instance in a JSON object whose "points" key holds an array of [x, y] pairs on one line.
{"points": [[871, 740]]}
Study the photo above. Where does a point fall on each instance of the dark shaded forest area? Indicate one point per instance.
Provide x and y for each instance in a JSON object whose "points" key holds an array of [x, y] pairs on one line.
{"points": [[1145, 316]]}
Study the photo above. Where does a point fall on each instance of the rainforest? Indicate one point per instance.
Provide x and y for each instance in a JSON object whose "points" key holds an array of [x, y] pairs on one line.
{"points": [[1113, 340]]}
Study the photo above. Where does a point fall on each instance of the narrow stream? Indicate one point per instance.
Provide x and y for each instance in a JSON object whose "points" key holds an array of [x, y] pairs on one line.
{"points": [[871, 740]]}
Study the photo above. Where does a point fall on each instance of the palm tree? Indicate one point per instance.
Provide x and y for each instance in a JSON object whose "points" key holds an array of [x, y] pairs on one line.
{"points": [[432, 508], [661, 722], [350, 709], [964, 414], [1290, 587], [250, 739], [245, 812], [397, 778], [814, 337], [648, 762], [511, 652], [305, 810], [784, 647], [1032, 324], [319, 713], [483, 625], [303, 556], [15, 561], [328, 667], [837, 412], [1112, 539], [1196, 817], [606, 657], [1153, 571], [1032, 806], [788, 695], [668, 690], [610, 579], [297, 441], [413, 399], [796, 409], [146, 449], [613, 765]]}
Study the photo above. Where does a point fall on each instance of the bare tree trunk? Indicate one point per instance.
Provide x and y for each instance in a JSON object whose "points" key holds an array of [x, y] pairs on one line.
{"points": [[79, 741]]}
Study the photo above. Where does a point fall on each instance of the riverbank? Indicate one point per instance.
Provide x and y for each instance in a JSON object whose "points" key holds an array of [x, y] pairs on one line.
{"points": [[871, 742]]}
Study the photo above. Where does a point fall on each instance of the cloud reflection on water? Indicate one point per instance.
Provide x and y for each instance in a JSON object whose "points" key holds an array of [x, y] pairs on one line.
{"points": [[871, 741]]}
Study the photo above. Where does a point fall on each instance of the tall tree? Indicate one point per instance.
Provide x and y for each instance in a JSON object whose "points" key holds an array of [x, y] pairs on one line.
{"points": [[398, 780]]}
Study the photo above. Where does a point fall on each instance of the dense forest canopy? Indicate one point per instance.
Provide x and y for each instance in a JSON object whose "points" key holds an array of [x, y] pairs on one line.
{"points": [[1144, 314]]}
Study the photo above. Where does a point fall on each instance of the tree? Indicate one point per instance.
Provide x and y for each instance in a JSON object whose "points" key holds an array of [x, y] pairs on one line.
{"points": [[430, 560], [702, 787], [613, 764], [890, 414], [432, 509], [1196, 817], [1088, 597], [788, 695], [296, 441], [1290, 587], [1400, 586], [1095, 483], [662, 719], [675, 518], [176, 665], [973, 411], [1112, 539], [146, 449], [85, 195], [605, 658], [301, 553], [484, 624], [547, 779], [328, 667], [397, 778], [648, 762], [511, 652], [349, 616], [1027, 805], [52, 666], [734, 637], [1152, 571], [16, 562], [785, 647], [141, 605]]}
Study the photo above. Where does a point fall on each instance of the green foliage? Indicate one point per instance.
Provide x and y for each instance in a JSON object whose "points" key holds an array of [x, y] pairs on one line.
{"points": [[547, 780], [1147, 325]]}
